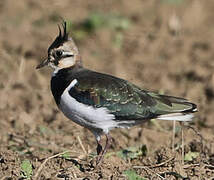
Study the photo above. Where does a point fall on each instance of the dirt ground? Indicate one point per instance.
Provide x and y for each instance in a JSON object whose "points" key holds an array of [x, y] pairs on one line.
{"points": [[162, 45]]}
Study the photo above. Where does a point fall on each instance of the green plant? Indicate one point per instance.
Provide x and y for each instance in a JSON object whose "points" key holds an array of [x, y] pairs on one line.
{"points": [[132, 175], [26, 169]]}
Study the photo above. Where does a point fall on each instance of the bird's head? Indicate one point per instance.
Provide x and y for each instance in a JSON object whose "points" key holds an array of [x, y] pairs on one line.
{"points": [[62, 53]]}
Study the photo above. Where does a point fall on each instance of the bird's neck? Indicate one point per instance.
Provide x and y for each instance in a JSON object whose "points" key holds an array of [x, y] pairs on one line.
{"points": [[71, 70]]}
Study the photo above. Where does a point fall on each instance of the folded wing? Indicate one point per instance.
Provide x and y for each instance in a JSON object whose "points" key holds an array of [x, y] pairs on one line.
{"points": [[127, 101]]}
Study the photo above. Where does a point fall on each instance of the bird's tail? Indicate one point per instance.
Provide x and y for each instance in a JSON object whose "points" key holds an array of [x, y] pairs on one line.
{"points": [[174, 108], [176, 117]]}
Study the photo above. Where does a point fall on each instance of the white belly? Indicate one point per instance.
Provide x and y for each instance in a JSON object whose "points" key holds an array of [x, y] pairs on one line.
{"points": [[85, 115]]}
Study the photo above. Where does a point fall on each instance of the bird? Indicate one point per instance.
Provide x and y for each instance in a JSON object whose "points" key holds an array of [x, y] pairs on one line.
{"points": [[101, 102]]}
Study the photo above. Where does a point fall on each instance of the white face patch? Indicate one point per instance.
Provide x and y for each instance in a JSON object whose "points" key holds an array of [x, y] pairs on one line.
{"points": [[85, 115], [66, 62], [65, 53]]}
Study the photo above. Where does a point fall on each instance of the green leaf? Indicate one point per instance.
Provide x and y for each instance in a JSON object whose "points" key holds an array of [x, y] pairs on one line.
{"points": [[26, 168], [66, 155], [132, 152], [132, 175], [190, 156]]}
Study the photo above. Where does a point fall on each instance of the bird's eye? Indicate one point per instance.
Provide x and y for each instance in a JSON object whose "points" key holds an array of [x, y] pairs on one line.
{"points": [[59, 53]]}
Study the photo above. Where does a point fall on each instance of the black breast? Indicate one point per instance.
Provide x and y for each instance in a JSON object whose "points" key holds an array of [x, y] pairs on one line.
{"points": [[59, 82]]}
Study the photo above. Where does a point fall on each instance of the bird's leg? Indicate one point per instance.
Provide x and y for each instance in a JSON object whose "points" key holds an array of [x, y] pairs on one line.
{"points": [[173, 136], [99, 147], [99, 151], [102, 152], [182, 141], [108, 143]]}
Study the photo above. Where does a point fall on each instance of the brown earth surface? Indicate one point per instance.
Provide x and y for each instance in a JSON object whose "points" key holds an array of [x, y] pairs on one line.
{"points": [[166, 46]]}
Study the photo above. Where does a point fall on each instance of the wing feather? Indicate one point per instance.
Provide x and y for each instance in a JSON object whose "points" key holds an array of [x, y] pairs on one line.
{"points": [[123, 99]]}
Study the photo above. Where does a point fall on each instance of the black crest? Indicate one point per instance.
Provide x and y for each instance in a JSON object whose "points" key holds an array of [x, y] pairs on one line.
{"points": [[64, 30]]}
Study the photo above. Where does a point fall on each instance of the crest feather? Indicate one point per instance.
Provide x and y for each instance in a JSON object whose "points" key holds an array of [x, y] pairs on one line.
{"points": [[64, 31], [66, 25]]}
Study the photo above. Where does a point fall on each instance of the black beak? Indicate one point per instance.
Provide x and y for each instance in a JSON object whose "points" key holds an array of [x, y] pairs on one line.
{"points": [[43, 63]]}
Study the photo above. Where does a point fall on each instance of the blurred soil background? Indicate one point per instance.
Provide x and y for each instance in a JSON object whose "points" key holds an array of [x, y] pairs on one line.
{"points": [[162, 45]]}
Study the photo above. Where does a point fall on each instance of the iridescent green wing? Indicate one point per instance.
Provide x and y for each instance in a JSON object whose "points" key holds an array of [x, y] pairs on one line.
{"points": [[123, 99]]}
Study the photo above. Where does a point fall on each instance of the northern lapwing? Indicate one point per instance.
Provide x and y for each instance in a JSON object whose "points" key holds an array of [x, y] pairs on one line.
{"points": [[102, 102]]}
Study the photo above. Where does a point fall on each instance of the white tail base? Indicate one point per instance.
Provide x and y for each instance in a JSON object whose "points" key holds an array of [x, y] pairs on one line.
{"points": [[176, 117]]}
